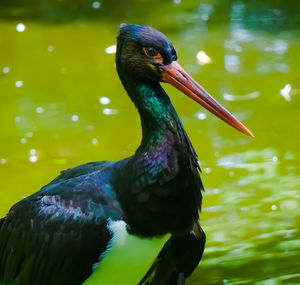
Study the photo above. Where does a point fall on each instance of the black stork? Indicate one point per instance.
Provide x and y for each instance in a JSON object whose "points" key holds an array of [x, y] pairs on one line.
{"points": [[98, 221]]}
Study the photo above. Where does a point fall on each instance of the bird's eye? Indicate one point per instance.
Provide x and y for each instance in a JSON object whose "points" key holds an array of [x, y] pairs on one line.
{"points": [[150, 51]]}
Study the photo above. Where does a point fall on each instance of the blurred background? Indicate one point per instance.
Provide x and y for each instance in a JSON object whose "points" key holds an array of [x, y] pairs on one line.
{"points": [[61, 104]]}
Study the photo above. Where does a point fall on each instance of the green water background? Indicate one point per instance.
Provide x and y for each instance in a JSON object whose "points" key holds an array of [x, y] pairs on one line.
{"points": [[53, 74]]}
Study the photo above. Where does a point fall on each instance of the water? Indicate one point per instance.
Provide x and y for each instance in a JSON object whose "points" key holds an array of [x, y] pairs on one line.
{"points": [[57, 64]]}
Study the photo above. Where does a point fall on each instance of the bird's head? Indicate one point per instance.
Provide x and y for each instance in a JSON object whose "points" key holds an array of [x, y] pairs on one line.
{"points": [[148, 55], [142, 50]]}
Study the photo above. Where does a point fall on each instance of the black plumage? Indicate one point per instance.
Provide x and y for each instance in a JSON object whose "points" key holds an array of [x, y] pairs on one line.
{"points": [[56, 235]]}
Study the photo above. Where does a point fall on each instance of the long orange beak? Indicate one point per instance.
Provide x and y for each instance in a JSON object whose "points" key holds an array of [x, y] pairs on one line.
{"points": [[174, 74]]}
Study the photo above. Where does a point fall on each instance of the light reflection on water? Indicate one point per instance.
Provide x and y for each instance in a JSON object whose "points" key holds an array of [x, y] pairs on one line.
{"points": [[64, 105]]}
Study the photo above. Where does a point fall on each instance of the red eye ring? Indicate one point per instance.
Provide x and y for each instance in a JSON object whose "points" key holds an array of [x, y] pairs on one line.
{"points": [[150, 51]]}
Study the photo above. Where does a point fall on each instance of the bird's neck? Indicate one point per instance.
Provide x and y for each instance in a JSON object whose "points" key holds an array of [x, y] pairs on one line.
{"points": [[159, 120], [163, 173]]}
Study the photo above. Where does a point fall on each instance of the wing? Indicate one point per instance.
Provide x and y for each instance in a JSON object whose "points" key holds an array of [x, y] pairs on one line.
{"points": [[56, 235], [82, 170]]}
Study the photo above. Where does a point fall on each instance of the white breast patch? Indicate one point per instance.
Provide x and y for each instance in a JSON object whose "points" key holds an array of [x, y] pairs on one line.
{"points": [[127, 257]]}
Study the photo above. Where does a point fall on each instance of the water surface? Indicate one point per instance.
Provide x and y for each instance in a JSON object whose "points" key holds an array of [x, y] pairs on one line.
{"points": [[62, 105]]}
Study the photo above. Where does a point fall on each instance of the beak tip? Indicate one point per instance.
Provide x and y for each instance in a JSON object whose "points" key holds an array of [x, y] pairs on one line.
{"points": [[249, 133]]}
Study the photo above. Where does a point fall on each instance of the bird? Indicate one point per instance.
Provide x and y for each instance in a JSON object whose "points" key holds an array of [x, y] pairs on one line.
{"points": [[95, 223]]}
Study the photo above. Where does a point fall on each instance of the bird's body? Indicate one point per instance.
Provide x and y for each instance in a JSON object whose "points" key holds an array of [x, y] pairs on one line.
{"points": [[68, 230]]}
